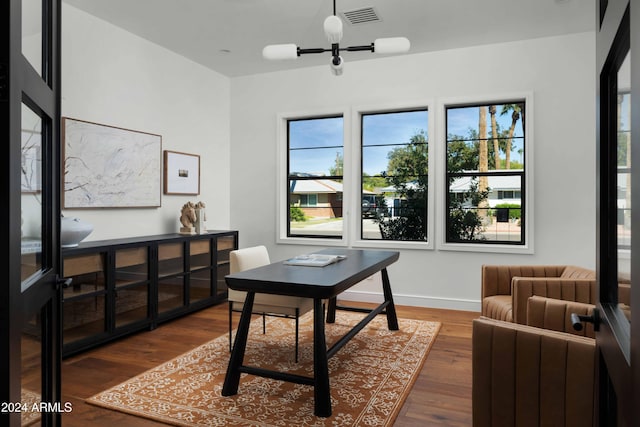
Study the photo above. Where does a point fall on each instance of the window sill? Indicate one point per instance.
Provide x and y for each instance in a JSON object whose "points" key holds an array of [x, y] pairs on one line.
{"points": [[392, 244], [486, 248], [310, 241]]}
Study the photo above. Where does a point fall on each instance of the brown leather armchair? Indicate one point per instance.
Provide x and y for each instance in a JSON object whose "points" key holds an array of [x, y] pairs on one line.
{"points": [[529, 376], [507, 288], [555, 315]]}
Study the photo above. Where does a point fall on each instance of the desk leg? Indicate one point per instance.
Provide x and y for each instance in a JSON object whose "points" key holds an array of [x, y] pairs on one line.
{"points": [[232, 378], [321, 391], [392, 318], [331, 310]]}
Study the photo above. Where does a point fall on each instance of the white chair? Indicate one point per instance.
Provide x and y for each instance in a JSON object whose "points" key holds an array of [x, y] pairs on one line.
{"points": [[265, 304]]}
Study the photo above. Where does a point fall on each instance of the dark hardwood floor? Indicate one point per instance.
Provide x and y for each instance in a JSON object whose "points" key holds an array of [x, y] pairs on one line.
{"points": [[440, 396]]}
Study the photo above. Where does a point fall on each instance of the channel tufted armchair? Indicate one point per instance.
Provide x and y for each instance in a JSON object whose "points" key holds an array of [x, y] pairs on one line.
{"points": [[507, 288], [530, 376]]}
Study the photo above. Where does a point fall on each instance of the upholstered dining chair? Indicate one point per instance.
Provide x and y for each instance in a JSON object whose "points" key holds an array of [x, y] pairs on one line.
{"points": [[264, 304]]}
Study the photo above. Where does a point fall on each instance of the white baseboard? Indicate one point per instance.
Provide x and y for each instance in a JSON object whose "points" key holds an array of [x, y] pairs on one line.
{"points": [[413, 300]]}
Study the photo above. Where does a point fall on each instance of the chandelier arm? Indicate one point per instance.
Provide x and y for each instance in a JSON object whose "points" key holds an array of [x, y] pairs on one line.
{"points": [[369, 48], [302, 51], [335, 51]]}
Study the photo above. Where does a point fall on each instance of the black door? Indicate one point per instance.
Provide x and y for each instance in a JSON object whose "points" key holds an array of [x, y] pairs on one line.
{"points": [[618, 258], [29, 295]]}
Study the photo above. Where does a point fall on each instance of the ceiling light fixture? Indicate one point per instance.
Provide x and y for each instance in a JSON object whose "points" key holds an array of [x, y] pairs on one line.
{"points": [[333, 31]]}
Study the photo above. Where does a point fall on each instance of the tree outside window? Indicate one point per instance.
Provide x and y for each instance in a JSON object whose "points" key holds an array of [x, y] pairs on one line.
{"points": [[394, 179], [485, 173]]}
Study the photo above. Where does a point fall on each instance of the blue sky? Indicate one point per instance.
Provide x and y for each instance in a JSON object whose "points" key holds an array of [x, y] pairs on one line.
{"points": [[326, 136]]}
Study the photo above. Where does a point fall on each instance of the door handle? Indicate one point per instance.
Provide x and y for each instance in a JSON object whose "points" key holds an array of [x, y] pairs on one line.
{"points": [[578, 319], [63, 282]]}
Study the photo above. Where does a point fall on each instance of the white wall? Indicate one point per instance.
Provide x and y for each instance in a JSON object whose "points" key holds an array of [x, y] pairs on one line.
{"points": [[559, 71], [113, 77]]}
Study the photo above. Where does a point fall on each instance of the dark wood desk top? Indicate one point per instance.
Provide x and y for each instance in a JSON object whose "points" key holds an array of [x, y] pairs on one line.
{"points": [[313, 282]]}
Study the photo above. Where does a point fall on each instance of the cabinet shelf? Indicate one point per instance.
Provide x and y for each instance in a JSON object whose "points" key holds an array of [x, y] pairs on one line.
{"points": [[122, 286], [83, 290]]}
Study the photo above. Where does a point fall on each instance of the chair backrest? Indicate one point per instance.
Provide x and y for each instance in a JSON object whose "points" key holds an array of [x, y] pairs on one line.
{"points": [[574, 272], [555, 314], [248, 258], [523, 375]]}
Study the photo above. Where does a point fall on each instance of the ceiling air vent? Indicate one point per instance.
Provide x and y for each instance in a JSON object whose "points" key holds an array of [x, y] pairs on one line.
{"points": [[361, 16]]}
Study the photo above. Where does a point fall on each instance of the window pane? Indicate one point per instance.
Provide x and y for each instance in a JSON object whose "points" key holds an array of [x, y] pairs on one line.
{"points": [[31, 193], [314, 161], [485, 173], [32, 33], [623, 185], [394, 176], [315, 171]]}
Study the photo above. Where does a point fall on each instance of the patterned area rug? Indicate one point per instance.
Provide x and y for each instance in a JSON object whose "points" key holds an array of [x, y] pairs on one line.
{"points": [[370, 377], [29, 399]]}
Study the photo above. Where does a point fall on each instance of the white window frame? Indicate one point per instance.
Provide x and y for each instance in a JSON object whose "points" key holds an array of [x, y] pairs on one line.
{"points": [[282, 190], [355, 175], [441, 188]]}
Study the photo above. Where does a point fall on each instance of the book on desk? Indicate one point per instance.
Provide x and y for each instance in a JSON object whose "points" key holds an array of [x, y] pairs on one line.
{"points": [[314, 260]]}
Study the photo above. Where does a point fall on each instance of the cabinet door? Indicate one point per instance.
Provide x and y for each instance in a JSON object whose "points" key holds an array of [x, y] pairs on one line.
{"points": [[200, 263], [225, 244], [84, 302], [131, 286], [171, 277]]}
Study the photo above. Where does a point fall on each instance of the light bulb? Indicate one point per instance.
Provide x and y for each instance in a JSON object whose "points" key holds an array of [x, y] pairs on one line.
{"points": [[336, 69], [333, 29], [391, 45], [280, 51]]}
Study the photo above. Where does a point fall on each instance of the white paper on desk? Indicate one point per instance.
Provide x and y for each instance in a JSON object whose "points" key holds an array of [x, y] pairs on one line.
{"points": [[314, 260]]}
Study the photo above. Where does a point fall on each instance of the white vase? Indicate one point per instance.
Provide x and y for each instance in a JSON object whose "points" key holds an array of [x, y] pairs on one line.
{"points": [[72, 231]]}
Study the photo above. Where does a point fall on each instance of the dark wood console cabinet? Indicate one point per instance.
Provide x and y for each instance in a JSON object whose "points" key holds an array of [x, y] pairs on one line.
{"points": [[123, 286]]}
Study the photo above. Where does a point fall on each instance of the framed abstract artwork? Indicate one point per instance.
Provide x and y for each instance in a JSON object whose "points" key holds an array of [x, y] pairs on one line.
{"points": [[109, 167], [181, 173]]}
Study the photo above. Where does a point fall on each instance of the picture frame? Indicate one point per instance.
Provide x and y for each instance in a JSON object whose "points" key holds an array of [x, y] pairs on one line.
{"points": [[109, 167], [181, 173]]}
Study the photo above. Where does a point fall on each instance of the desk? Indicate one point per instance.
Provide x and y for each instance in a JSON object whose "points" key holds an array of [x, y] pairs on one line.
{"points": [[319, 283]]}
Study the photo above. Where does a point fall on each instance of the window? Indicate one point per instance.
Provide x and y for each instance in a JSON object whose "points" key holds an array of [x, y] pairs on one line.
{"points": [[307, 200], [623, 179], [315, 177], [394, 175], [485, 158]]}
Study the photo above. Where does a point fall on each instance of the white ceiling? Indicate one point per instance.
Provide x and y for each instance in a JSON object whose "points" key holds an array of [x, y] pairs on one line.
{"points": [[228, 35]]}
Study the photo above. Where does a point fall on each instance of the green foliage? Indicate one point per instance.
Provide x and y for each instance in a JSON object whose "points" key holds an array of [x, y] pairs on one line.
{"points": [[408, 227], [410, 160], [465, 224], [372, 182], [462, 153], [514, 209], [296, 214], [407, 172]]}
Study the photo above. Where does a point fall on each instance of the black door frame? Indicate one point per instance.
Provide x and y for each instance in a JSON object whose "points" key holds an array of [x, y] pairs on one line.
{"points": [[618, 353], [39, 295]]}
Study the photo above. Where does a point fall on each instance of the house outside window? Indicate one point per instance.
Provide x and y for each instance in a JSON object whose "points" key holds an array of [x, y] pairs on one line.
{"points": [[315, 153], [394, 175], [485, 177], [306, 200]]}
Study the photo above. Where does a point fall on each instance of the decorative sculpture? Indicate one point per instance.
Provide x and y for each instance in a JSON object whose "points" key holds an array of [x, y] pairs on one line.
{"points": [[188, 218], [192, 218], [201, 217]]}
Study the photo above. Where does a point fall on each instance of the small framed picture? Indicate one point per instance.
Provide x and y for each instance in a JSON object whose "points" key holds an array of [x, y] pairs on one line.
{"points": [[181, 173]]}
